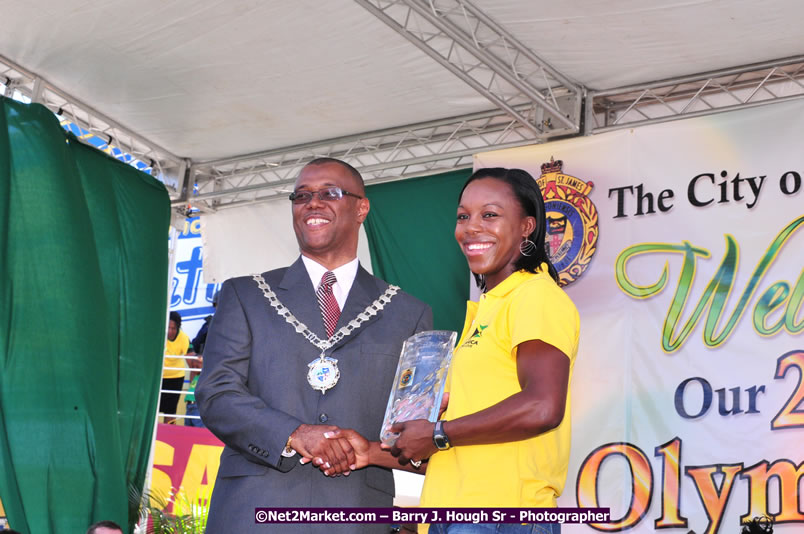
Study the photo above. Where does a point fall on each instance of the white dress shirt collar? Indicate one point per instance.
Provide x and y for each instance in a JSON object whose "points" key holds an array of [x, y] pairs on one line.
{"points": [[345, 276]]}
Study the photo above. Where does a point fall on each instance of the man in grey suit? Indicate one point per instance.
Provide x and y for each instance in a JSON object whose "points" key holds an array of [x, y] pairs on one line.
{"points": [[283, 366]]}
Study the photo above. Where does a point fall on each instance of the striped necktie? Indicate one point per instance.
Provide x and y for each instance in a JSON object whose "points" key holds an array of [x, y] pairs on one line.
{"points": [[326, 301]]}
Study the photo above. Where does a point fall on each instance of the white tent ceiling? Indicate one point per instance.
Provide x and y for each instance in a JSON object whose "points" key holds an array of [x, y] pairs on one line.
{"points": [[206, 79]]}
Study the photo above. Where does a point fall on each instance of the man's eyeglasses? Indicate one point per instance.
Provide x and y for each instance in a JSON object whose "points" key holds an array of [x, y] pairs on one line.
{"points": [[326, 194]]}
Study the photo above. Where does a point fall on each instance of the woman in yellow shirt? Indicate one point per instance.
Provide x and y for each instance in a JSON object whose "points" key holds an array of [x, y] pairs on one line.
{"points": [[504, 438], [177, 344]]}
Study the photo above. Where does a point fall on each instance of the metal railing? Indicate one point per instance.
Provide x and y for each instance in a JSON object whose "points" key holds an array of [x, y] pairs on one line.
{"points": [[182, 392]]}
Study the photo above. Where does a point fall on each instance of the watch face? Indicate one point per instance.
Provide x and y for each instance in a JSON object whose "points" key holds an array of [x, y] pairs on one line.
{"points": [[441, 442], [439, 438]]}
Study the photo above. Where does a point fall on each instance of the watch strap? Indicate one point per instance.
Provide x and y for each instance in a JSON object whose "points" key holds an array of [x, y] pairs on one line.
{"points": [[440, 438]]}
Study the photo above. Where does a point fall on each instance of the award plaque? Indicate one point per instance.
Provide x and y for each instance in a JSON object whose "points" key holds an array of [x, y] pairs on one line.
{"points": [[419, 381]]}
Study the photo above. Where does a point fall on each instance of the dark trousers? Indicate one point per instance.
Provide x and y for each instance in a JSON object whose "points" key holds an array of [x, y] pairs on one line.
{"points": [[169, 401]]}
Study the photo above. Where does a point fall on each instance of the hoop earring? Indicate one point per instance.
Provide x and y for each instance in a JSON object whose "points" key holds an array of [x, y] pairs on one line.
{"points": [[527, 247]]}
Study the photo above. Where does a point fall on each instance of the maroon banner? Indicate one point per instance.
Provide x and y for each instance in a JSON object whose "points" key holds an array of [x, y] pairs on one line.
{"points": [[186, 461]]}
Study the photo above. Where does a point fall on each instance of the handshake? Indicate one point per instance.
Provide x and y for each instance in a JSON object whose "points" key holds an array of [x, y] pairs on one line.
{"points": [[339, 451], [335, 451]]}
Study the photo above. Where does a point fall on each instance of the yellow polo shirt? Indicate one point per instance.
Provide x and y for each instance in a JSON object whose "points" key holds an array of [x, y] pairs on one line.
{"points": [[177, 347], [528, 473]]}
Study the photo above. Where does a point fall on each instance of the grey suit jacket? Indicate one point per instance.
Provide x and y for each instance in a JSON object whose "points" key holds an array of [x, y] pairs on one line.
{"points": [[253, 393]]}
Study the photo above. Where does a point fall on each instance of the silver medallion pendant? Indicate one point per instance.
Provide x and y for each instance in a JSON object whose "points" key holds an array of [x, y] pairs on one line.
{"points": [[323, 373]]}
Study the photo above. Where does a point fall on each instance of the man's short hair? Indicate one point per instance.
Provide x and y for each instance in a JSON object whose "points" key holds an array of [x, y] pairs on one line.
{"points": [[106, 524], [354, 172]]}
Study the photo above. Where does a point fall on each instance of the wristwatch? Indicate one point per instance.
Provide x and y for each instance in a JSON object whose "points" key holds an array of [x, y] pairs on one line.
{"points": [[440, 437]]}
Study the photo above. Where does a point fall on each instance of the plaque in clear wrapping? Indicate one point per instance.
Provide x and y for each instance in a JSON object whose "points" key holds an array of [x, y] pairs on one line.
{"points": [[419, 381]]}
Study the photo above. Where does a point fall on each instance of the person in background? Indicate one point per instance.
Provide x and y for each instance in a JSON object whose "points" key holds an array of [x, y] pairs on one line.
{"points": [[199, 341], [758, 525], [191, 408], [177, 344], [105, 527], [200, 338]]}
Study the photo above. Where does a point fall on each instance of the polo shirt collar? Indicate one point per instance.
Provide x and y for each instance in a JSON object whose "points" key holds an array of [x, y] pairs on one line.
{"points": [[508, 285]]}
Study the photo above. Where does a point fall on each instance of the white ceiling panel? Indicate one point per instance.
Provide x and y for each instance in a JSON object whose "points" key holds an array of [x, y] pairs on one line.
{"points": [[214, 79], [604, 44]]}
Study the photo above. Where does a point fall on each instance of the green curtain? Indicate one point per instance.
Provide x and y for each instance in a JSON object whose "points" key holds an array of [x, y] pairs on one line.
{"points": [[411, 229], [83, 271]]}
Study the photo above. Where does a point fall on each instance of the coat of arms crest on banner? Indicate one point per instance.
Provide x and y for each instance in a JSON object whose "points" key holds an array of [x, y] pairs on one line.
{"points": [[572, 230]]}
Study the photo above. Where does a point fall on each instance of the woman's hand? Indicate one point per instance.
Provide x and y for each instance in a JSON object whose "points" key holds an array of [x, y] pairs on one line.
{"points": [[359, 444], [415, 441], [315, 443]]}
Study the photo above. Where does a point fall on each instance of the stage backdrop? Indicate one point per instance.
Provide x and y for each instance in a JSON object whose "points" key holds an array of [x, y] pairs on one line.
{"points": [[682, 246]]}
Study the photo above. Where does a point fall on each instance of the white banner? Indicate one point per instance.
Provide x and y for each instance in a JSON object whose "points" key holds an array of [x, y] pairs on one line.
{"points": [[684, 242], [189, 294]]}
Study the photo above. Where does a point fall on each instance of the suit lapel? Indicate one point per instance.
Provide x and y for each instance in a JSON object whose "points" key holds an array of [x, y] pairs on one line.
{"points": [[296, 292], [364, 291]]}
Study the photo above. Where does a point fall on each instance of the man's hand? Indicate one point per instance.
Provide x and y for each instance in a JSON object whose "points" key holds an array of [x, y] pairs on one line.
{"points": [[195, 363], [332, 456], [415, 441]]}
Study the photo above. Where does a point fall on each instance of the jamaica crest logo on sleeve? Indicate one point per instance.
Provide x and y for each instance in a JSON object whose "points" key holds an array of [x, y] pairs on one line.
{"points": [[572, 231]]}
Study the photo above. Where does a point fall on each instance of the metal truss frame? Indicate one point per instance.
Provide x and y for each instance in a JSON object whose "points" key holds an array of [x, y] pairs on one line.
{"points": [[448, 144], [414, 150], [476, 49], [94, 128], [384, 155], [695, 95]]}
